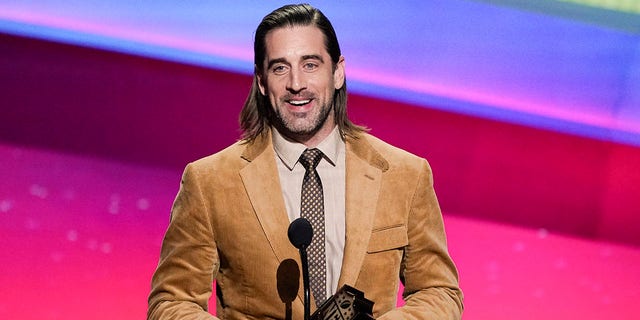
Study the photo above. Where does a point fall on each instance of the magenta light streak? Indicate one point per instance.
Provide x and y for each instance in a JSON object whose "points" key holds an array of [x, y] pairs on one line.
{"points": [[506, 102], [128, 33]]}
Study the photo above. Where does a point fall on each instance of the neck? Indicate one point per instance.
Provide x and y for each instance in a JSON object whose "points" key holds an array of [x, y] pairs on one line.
{"points": [[310, 140]]}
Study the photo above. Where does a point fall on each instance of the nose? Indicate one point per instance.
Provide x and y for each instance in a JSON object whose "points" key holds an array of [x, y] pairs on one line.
{"points": [[296, 81]]}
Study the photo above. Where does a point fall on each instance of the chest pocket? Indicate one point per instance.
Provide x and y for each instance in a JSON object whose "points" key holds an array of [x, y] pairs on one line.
{"points": [[388, 238]]}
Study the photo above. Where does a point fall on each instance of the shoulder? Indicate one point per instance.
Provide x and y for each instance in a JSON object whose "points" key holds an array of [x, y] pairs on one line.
{"points": [[225, 160], [233, 151], [395, 157]]}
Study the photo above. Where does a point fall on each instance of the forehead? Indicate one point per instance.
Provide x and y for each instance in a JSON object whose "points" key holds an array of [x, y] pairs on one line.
{"points": [[294, 41]]}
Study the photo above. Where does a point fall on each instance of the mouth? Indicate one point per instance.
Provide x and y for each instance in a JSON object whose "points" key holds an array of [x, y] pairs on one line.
{"points": [[299, 103]]}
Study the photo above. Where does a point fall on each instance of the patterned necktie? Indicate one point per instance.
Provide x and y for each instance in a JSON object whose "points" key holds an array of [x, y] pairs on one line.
{"points": [[312, 208]]}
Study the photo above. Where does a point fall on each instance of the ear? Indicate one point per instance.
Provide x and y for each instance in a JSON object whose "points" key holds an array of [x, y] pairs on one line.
{"points": [[259, 80], [338, 74]]}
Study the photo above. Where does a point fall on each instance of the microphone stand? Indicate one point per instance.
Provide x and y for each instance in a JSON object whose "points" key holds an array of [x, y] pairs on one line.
{"points": [[305, 282]]}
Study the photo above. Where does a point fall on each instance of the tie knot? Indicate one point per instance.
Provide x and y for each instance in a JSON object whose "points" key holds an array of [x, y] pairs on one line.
{"points": [[310, 158]]}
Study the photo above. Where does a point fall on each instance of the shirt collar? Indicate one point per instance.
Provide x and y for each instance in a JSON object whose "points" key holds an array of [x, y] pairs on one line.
{"points": [[289, 152]]}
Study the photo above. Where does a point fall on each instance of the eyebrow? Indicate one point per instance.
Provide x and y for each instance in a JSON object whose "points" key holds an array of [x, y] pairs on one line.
{"points": [[274, 61], [313, 57], [305, 57]]}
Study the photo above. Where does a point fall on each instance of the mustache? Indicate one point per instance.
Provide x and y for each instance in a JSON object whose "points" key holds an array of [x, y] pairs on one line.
{"points": [[298, 96]]}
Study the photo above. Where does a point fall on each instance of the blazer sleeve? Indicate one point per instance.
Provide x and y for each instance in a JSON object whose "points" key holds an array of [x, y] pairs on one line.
{"points": [[430, 278], [182, 284]]}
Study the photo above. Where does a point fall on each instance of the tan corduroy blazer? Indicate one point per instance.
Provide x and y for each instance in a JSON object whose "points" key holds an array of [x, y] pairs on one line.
{"points": [[229, 223]]}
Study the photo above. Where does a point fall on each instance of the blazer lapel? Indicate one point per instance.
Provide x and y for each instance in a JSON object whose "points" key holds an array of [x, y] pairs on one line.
{"points": [[364, 168], [261, 181]]}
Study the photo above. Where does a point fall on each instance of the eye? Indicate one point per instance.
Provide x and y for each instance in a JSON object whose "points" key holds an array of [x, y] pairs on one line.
{"points": [[310, 66], [279, 69]]}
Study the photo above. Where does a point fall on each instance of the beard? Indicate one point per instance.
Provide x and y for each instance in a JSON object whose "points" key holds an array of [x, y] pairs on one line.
{"points": [[304, 125]]}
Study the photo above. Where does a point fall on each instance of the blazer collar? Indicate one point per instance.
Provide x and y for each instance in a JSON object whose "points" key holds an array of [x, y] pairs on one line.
{"points": [[364, 169], [262, 184], [257, 146]]}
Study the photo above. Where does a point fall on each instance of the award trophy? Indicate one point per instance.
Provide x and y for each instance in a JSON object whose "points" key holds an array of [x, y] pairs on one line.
{"points": [[347, 304]]}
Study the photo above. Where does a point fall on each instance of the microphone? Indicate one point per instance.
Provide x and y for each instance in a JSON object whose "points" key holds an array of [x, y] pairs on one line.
{"points": [[300, 233]]}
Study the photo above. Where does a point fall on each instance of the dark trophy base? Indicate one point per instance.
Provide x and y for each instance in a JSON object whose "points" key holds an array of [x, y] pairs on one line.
{"points": [[347, 304]]}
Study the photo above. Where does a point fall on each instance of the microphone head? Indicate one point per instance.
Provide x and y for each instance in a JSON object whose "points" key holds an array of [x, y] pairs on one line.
{"points": [[300, 233]]}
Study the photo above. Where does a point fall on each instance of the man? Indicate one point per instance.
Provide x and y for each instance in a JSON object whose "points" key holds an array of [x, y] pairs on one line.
{"points": [[229, 222]]}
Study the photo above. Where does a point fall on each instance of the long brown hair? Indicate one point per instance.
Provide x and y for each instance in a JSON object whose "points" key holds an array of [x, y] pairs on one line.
{"points": [[256, 112]]}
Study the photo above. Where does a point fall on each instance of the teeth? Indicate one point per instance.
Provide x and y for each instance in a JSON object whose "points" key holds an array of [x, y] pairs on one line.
{"points": [[299, 102]]}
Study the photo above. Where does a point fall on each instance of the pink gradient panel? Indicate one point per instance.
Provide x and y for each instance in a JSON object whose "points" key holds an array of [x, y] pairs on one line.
{"points": [[81, 238]]}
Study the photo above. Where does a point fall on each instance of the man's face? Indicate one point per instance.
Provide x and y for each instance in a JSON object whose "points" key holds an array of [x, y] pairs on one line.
{"points": [[299, 79]]}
